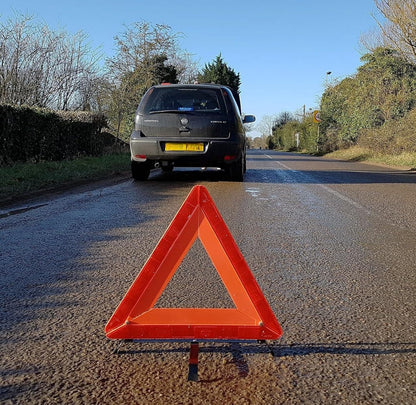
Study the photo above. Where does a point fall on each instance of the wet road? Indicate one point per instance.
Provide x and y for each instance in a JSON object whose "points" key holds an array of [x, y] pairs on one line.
{"points": [[331, 244]]}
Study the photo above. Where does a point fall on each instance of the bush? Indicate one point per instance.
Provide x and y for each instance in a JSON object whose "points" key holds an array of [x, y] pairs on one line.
{"points": [[377, 97], [284, 135], [34, 135], [394, 137]]}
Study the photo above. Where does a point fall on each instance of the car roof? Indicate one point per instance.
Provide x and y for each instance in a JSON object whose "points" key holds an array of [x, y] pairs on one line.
{"points": [[214, 85]]}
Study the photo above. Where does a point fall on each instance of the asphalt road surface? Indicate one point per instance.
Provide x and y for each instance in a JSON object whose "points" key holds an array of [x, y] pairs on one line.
{"points": [[331, 245]]}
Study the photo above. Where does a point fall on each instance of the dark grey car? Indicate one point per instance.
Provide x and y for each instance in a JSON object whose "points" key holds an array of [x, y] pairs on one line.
{"points": [[197, 125]]}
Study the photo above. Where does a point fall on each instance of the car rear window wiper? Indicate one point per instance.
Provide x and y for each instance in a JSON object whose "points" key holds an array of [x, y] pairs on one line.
{"points": [[162, 111], [180, 110]]}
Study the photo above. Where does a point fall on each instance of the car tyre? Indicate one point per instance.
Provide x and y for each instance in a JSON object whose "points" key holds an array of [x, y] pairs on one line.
{"points": [[140, 170], [235, 170]]}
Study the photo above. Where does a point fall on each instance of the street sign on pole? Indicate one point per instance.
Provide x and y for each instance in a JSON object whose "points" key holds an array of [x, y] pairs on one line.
{"points": [[316, 117]]}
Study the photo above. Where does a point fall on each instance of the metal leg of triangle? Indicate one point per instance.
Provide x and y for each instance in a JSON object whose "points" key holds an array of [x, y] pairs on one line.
{"points": [[193, 362]]}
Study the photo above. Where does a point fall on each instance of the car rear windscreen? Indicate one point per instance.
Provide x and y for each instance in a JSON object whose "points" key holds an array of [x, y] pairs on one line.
{"points": [[183, 100]]}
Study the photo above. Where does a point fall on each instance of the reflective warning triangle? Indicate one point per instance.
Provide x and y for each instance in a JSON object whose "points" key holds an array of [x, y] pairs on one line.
{"points": [[252, 318]]}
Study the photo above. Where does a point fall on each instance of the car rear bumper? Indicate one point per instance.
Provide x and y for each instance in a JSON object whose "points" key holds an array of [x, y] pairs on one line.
{"points": [[216, 153]]}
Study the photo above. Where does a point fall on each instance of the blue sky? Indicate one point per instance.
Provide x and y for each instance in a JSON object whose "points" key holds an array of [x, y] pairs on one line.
{"points": [[281, 48]]}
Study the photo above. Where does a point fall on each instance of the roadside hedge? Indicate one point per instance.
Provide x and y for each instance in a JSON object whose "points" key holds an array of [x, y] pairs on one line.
{"points": [[394, 137], [34, 135]]}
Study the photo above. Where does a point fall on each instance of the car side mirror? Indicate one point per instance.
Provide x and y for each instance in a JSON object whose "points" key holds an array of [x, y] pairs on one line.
{"points": [[248, 119]]}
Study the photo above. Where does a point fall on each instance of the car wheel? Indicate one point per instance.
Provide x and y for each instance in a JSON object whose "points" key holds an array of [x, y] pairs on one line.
{"points": [[235, 170], [140, 170]]}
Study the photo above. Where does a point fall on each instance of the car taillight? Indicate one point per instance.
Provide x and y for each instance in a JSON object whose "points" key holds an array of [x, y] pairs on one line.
{"points": [[229, 157], [140, 156]]}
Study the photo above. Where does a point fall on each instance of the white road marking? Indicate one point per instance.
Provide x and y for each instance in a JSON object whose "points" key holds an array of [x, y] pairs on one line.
{"points": [[326, 188]]}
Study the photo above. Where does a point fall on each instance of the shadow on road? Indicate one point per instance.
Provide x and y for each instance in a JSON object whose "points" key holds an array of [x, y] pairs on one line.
{"points": [[343, 348], [286, 168], [239, 348], [285, 176]]}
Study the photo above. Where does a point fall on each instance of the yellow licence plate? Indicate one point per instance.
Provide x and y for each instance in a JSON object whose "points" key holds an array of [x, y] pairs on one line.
{"points": [[177, 147]]}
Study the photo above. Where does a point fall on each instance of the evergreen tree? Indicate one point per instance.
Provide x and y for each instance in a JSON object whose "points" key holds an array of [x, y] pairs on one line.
{"points": [[219, 72]]}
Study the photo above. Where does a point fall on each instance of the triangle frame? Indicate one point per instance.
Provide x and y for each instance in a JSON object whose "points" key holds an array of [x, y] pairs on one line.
{"points": [[252, 318]]}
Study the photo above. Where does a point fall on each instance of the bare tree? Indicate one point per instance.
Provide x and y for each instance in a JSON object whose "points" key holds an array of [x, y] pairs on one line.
{"points": [[76, 66], [13, 55], [138, 46], [144, 52], [40, 67], [46, 68], [399, 30], [265, 126], [186, 67]]}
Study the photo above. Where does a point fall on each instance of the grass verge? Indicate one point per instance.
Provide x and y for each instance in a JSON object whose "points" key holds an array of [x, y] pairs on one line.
{"points": [[24, 178], [406, 160]]}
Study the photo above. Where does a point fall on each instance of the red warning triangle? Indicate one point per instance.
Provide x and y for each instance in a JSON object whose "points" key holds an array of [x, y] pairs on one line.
{"points": [[252, 318]]}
